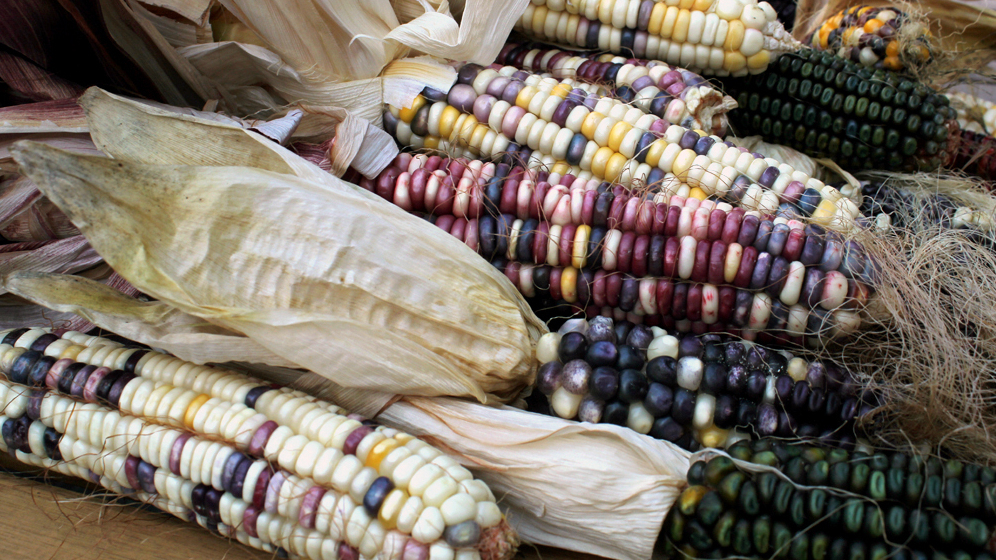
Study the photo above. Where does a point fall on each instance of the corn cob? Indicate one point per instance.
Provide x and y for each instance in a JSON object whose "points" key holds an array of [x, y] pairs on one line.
{"points": [[677, 95], [622, 146], [811, 502], [580, 240], [976, 154], [826, 106], [891, 206], [870, 36], [974, 113], [250, 429], [785, 12], [720, 37], [692, 390]]}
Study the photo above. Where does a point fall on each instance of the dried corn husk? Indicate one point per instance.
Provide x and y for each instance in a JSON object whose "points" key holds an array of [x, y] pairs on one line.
{"points": [[596, 488], [357, 290], [67, 256], [153, 323], [136, 131]]}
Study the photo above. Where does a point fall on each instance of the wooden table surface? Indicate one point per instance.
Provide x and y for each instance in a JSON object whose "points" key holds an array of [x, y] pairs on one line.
{"points": [[49, 522]]}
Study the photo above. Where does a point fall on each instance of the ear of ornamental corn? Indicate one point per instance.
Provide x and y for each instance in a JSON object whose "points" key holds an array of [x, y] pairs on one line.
{"points": [[816, 502], [545, 125], [889, 205], [825, 106], [974, 113], [271, 467], [669, 92], [976, 154], [708, 390], [716, 37], [870, 36], [663, 258]]}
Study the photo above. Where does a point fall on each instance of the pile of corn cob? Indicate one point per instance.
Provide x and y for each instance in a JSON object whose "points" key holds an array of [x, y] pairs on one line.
{"points": [[544, 123], [802, 501], [273, 468]]}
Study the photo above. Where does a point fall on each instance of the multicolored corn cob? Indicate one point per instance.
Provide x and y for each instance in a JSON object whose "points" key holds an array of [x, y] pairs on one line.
{"points": [[572, 132], [974, 113], [594, 248], [825, 106], [802, 501], [693, 390], [668, 92], [976, 154], [717, 37], [889, 205], [872, 37], [279, 466]]}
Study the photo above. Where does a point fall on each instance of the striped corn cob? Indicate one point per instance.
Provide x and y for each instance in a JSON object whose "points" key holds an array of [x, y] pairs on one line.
{"points": [[826, 106], [710, 390], [344, 482], [720, 37], [870, 36], [974, 113], [572, 132], [669, 92], [803, 501], [889, 206]]}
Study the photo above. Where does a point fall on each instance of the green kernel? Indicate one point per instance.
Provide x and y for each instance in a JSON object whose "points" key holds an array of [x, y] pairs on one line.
{"points": [[717, 468], [722, 532], [742, 537], [762, 534]]}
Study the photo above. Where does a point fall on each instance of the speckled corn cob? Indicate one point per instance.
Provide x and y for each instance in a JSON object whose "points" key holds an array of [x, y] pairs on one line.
{"points": [[869, 36], [573, 132], [669, 92], [693, 390], [720, 37], [210, 425], [816, 502], [825, 106]]}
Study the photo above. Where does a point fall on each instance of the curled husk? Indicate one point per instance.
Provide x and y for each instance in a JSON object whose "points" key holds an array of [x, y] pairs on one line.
{"points": [[357, 290]]}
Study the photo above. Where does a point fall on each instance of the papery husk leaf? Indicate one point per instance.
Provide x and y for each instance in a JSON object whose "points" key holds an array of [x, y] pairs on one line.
{"points": [[357, 290], [33, 82], [194, 10], [135, 131], [324, 41], [16, 194], [477, 38], [78, 143], [62, 115], [178, 33], [175, 79], [15, 313], [63, 256], [153, 323], [40, 221], [596, 488]]}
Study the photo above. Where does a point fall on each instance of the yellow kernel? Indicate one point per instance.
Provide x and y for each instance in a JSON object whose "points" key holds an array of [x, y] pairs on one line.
{"points": [[408, 114]]}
